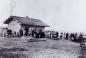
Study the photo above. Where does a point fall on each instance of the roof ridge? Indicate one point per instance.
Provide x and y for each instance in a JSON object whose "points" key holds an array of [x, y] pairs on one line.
{"points": [[17, 16], [27, 20], [26, 17]]}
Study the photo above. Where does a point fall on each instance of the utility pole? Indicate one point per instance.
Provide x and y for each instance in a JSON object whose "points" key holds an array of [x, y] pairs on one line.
{"points": [[11, 7]]}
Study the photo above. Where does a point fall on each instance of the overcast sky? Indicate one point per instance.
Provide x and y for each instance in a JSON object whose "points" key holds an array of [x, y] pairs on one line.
{"points": [[61, 15]]}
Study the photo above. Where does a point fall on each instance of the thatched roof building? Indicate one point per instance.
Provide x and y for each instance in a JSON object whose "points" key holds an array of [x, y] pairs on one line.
{"points": [[26, 24], [26, 21]]}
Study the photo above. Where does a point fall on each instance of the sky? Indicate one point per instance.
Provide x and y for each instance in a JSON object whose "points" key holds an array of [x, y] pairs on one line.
{"points": [[60, 15]]}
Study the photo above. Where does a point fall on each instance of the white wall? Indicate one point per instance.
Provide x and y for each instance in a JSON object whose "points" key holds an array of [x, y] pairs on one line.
{"points": [[14, 26]]}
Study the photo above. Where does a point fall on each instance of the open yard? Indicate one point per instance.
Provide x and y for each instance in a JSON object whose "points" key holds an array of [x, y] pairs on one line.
{"points": [[21, 48]]}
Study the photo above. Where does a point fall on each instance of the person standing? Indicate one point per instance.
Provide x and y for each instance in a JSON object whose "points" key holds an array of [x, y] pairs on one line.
{"points": [[21, 32], [75, 36], [61, 34], [67, 35], [57, 34], [81, 38]]}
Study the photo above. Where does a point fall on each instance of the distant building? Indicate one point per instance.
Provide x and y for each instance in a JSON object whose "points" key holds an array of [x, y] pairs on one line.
{"points": [[3, 31], [26, 24]]}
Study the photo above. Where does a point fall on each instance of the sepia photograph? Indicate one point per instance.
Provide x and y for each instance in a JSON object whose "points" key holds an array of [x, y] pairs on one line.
{"points": [[42, 29]]}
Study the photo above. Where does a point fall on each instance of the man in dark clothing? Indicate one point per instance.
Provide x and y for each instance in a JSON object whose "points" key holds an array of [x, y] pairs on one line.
{"points": [[21, 32], [71, 36], [41, 34], [57, 34], [75, 36], [81, 38], [34, 33], [9, 32], [67, 35]]}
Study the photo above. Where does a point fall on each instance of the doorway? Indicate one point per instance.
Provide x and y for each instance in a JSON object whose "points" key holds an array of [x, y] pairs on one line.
{"points": [[26, 31]]}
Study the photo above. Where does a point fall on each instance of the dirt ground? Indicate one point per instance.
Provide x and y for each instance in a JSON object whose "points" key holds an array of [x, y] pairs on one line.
{"points": [[22, 48]]}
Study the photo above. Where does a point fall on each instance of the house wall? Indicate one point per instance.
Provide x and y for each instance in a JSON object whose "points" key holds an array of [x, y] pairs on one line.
{"points": [[14, 26], [32, 27], [38, 28]]}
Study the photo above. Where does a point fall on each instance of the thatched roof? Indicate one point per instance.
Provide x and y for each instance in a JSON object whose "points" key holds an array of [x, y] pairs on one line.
{"points": [[26, 21]]}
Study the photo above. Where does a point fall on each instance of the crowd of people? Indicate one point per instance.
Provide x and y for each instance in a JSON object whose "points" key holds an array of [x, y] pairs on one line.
{"points": [[33, 33], [63, 36], [49, 34]]}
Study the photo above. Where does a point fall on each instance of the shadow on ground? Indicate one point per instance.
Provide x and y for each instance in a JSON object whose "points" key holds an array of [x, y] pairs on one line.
{"points": [[12, 53]]}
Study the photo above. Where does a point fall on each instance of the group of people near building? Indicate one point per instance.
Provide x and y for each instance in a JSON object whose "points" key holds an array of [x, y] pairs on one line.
{"points": [[33, 33], [39, 33], [67, 36]]}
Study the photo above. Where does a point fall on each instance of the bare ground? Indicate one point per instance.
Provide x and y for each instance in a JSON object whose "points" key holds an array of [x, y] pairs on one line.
{"points": [[22, 48]]}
